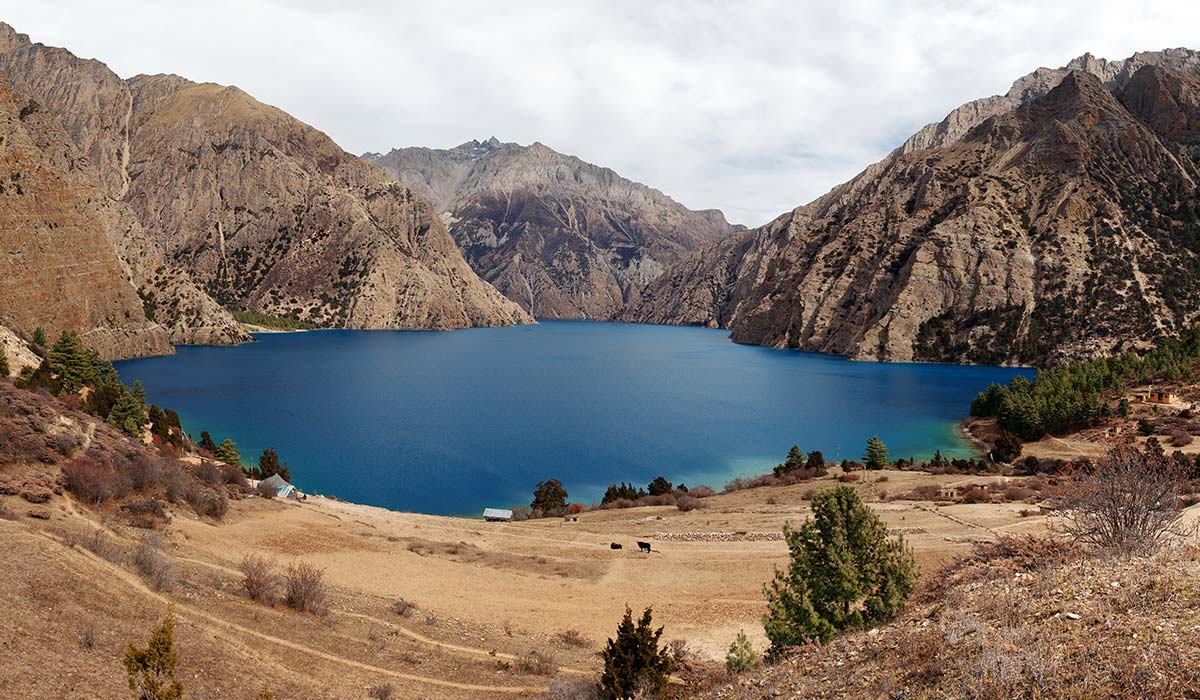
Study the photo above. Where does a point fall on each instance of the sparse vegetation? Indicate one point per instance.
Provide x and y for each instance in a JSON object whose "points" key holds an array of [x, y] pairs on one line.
{"points": [[280, 323], [403, 608], [153, 565], [382, 692], [573, 638], [536, 663]]}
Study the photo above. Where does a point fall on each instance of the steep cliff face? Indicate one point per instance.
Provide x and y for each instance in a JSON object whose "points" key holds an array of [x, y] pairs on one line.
{"points": [[1058, 221], [57, 268], [563, 238], [223, 202]]}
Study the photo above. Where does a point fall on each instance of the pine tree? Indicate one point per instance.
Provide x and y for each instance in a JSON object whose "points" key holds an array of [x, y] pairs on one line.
{"points": [[72, 362], [633, 663], [268, 465], [659, 486], [795, 460], [844, 571], [227, 452], [816, 463], [877, 454], [741, 656], [39, 337], [127, 413], [3, 363], [151, 669], [139, 392], [206, 442]]}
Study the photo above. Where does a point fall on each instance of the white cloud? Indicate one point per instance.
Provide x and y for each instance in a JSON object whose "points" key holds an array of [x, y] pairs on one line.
{"points": [[753, 107]]}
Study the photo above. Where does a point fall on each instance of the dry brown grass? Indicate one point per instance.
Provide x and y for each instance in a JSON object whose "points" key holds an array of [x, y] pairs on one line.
{"points": [[1013, 624]]}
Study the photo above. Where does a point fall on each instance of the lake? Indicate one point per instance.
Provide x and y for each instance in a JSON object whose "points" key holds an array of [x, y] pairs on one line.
{"points": [[451, 422]]}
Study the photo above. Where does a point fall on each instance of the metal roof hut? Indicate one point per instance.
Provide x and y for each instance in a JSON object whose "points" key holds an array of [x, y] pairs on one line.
{"points": [[282, 488], [497, 515]]}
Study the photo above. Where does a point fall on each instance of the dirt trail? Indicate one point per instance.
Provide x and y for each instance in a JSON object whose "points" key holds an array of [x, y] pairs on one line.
{"points": [[415, 636], [215, 625]]}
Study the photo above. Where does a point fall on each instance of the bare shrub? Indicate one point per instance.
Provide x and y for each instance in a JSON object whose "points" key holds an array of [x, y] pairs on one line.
{"points": [[209, 473], [98, 542], [975, 494], [382, 692], [536, 663], [928, 492], [304, 588], [87, 637], [209, 502], [702, 492], [688, 502], [1018, 493], [403, 608], [563, 687], [93, 482], [771, 500], [1180, 438], [679, 649], [265, 490], [259, 579], [1128, 503], [573, 638], [153, 566]]}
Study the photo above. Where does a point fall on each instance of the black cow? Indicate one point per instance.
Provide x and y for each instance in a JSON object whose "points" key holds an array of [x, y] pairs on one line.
{"points": [[614, 545], [644, 546]]}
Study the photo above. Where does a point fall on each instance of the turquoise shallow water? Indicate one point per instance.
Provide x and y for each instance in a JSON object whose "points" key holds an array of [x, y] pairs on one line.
{"points": [[451, 422]]}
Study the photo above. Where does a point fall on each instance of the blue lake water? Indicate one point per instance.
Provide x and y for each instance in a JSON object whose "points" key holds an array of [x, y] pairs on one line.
{"points": [[450, 422]]}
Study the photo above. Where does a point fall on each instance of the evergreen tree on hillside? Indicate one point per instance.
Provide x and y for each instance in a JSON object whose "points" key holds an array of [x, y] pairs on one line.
{"points": [[39, 337], [151, 669], [844, 571], [877, 454], [227, 452], [816, 463], [795, 460], [72, 362], [206, 442], [634, 666], [659, 486], [3, 363], [549, 496], [127, 413], [268, 465]]}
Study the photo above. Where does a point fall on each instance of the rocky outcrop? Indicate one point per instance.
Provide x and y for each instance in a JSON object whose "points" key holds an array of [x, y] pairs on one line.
{"points": [[1057, 221], [561, 237], [58, 269], [220, 201], [17, 352]]}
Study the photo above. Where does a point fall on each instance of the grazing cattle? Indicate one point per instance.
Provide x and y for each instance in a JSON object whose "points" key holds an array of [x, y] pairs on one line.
{"points": [[644, 546], [614, 545]]}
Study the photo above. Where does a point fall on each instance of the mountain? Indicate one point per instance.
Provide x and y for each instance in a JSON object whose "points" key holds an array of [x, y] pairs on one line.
{"points": [[1059, 220], [57, 267], [561, 237], [224, 202]]}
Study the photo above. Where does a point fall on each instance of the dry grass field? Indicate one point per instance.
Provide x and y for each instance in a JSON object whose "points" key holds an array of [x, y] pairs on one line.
{"points": [[485, 595]]}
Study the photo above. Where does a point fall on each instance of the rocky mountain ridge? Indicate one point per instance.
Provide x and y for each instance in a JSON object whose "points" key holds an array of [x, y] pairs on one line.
{"points": [[560, 236], [219, 201], [1057, 221]]}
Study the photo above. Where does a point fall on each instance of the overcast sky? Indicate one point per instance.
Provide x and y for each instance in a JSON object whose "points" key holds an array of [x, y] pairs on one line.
{"points": [[753, 107]]}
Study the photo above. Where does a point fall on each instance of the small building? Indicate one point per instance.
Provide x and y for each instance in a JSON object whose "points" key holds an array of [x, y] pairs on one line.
{"points": [[497, 515], [1159, 396], [948, 493], [282, 488]]}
